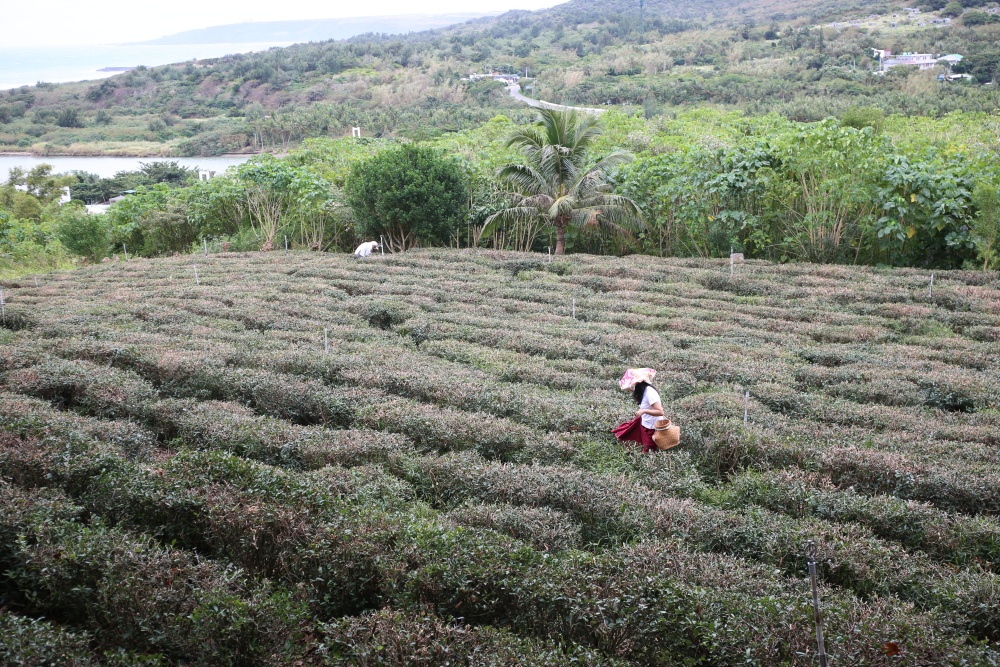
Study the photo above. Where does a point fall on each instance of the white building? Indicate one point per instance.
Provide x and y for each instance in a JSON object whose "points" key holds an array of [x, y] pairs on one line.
{"points": [[888, 60], [496, 76]]}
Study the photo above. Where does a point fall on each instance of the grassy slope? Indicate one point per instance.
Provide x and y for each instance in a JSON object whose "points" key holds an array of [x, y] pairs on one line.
{"points": [[873, 426], [583, 52]]}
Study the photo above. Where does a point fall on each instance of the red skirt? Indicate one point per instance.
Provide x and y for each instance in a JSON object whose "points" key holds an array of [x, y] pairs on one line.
{"points": [[634, 431]]}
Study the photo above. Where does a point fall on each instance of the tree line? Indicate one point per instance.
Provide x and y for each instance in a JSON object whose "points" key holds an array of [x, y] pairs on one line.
{"points": [[865, 189]]}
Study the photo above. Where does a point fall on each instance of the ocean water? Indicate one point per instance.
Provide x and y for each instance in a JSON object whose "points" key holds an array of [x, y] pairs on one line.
{"points": [[26, 66], [109, 166]]}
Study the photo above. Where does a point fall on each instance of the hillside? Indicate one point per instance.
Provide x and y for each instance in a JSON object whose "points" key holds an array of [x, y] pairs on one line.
{"points": [[260, 32], [803, 59], [249, 459]]}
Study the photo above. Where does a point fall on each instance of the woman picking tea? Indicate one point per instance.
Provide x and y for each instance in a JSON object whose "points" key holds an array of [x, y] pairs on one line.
{"points": [[650, 428]]}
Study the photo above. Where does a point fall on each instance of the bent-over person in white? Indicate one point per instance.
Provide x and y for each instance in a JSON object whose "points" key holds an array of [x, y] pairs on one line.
{"points": [[365, 249]]}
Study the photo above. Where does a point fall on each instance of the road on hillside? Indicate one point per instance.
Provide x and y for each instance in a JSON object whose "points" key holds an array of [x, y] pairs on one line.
{"points": [[515, 92]]}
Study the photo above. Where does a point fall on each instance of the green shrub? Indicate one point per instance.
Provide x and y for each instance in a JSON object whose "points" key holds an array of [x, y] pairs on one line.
{"points": [[383, 314], [545, 529], [395, 639], [35, 642], [861, 117], [69, 118], [133, 591], [83, 234], [409, 194]]}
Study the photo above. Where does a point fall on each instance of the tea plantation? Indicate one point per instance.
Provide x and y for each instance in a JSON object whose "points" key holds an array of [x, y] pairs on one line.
{"points": [[308, 459]]}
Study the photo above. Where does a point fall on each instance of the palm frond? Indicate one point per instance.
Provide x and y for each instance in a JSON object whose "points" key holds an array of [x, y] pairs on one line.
{"points": [[612, 161], [512, 214], [614, 212], [523, 178]]}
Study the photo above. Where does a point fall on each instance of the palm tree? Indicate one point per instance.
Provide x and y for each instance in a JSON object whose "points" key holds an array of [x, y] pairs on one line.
{"points": [[555, 185]]}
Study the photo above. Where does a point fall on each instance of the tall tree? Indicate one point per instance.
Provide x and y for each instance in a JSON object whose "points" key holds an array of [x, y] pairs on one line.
{"points": [[557, 186], [411, 195]]}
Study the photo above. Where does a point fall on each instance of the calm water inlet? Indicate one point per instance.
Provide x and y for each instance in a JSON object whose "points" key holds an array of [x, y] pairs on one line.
{"points": [[109, 166]]}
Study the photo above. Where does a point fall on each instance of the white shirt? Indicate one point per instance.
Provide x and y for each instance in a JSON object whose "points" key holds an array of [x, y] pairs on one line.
{"points": [[365, 249], [649, 397]]}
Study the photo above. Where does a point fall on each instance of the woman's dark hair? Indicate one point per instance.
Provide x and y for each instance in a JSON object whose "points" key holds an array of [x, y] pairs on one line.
{"points": [[639, 390]]}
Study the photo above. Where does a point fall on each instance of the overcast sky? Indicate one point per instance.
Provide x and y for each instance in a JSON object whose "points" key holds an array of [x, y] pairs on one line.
{"points": [[70, 22]]}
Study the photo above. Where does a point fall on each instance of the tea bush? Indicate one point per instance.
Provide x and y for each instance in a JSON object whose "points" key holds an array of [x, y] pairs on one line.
{"points": [[34, 642], [454, 497], [396, 639]]}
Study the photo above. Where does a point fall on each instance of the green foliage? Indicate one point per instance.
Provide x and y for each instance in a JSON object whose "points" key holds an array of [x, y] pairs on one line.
{"points": [[557, 186], [83, 234], [412, 195], [861, 117], [92, 189], [974, 18], [384, 314], [39, 182], [722, 53], [986, 225], [35, 642], [69, 118], [167, 231], [125, 217], [952, 9], [187, 478], [822, 192]]}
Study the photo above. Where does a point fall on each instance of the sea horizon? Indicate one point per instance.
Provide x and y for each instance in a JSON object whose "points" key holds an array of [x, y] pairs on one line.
{"points": [[29, 65]]}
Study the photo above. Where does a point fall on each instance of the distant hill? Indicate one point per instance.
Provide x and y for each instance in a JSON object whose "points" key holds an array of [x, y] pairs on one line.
{"points": [[315, 30], [753, 56]]}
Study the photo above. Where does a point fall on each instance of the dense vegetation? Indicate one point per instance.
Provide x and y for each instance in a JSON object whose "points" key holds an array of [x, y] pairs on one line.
{"points": [[220, 448], [756, 57], [38, 233], [867, 189], [187, 476]]}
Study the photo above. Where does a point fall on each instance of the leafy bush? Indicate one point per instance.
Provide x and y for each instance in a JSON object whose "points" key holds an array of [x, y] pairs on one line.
{"points": [[395, 639], [409, 194], [384, 314], [33, 642], [83, 234], [69, 118]]}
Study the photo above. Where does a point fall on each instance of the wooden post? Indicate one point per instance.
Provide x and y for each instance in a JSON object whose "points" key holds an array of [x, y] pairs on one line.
{"points": [[746, 409], [930, 290], [326, 340], [3, 307], [206, 247], [550, 253], [126, 251], [196, 279], [730, 262], [36, 281], [286, 244], [381, 245], [574, 309]]}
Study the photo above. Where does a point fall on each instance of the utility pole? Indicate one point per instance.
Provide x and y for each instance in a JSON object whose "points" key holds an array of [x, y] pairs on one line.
{"points": [[642, 26]]}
